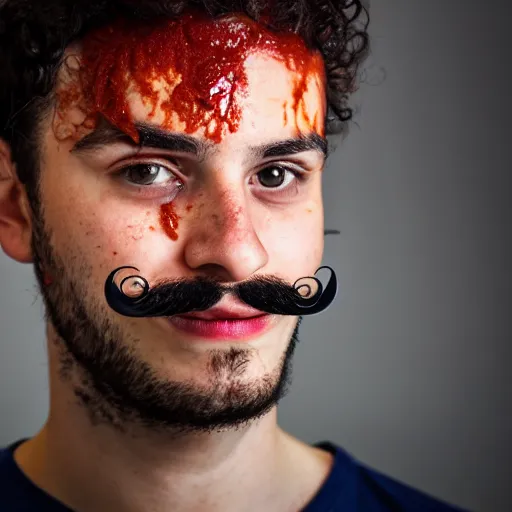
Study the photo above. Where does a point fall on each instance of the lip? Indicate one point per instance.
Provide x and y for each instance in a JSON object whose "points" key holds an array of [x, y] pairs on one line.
{"points": [[230, 311], [223, 323], [225, 329]]}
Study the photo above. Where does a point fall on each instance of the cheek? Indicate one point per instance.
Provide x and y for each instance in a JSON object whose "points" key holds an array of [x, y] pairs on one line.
{"points": [[116, 238], [295, 244], [102, 234]]}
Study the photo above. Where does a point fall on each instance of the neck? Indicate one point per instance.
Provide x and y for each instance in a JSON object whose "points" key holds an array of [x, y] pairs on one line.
{"points": [[97, 467], [216, 471]]}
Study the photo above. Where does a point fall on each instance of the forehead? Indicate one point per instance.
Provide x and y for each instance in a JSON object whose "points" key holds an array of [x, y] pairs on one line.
{"points": [[197, 75]]}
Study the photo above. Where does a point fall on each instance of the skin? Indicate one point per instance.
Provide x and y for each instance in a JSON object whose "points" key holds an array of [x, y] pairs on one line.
{"points": [[231, 228]]}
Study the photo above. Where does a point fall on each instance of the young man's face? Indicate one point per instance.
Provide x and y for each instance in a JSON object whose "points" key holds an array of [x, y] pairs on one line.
{"points": [[236, 208]]}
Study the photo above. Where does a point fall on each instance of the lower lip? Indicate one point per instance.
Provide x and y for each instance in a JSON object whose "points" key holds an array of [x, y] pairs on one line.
{"points": [[233, 329]]}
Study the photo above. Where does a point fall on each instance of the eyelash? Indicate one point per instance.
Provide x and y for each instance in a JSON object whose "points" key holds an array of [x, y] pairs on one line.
{"points": [[299, 177], [170, 188], [176, 184]]}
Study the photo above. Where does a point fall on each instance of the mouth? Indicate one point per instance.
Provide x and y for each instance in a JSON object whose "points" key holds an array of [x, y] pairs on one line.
{"points": [[231, 322]]}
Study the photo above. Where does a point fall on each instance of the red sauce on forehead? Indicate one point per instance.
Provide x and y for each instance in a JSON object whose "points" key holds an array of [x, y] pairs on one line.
{"points": [[205, 57]]}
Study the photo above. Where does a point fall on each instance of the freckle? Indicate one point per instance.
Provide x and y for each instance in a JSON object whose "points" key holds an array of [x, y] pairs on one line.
{"points": [[129, 226], [189, 207], [309, 210], [98, 247], [148, 213], [152, 228], [114, 253]]}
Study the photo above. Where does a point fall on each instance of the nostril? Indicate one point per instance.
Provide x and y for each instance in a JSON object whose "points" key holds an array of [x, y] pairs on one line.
{"points": [[214, 271]]}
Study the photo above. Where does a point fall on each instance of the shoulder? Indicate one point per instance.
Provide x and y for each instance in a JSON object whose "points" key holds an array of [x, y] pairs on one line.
{"points": [[396, 495], [17, 493], [8, 467], [9, 477], [363, 488]]}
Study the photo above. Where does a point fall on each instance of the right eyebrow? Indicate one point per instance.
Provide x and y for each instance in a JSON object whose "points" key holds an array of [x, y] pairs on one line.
{"points": [[149, 137]]}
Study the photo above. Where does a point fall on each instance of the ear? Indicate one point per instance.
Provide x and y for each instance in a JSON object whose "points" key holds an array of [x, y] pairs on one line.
{"points": [[15, 216]]}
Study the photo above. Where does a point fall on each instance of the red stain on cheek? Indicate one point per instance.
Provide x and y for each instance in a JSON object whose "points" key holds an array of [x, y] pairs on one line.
{"points": [[169, 220]]}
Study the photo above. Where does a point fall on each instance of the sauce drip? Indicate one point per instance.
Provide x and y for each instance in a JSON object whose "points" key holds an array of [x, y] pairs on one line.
{"points": [[201, 62], [169, 220]]}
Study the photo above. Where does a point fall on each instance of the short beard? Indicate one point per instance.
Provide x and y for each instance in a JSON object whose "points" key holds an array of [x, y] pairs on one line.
{"points": [[121, 390]]}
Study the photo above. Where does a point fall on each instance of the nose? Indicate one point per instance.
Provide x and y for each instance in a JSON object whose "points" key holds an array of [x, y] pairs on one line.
{"points": [[223, 242]]}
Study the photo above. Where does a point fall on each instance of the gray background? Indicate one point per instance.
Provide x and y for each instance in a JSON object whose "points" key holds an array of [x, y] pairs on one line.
{"points": [[409, 369]]}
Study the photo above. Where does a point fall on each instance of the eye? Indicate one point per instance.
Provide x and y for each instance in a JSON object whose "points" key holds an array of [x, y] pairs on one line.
{"points": [[148, 174], [276, 177]]}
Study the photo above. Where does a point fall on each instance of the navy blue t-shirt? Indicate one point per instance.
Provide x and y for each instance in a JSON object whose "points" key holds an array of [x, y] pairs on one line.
{"points": [[350, 487]]}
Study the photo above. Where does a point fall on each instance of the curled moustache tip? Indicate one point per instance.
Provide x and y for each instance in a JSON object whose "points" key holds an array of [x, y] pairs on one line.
{"points": [[308, 286], [131, 285], [322, 297], [331, 288], [310, 290], [123, 289], [134, 287]]}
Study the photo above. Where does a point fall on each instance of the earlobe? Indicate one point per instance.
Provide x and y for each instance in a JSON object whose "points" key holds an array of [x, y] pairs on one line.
{"points": [[15, 220]]}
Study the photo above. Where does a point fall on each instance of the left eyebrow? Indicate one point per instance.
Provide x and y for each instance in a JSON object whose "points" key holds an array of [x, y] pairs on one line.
{"points": [[302, 144]]}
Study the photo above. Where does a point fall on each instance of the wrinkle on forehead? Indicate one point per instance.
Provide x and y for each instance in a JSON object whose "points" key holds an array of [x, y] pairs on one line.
{"points": [[185, 75]]}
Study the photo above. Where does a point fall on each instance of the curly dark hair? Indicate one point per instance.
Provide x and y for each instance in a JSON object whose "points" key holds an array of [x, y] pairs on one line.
{"points": [[35, 33]]}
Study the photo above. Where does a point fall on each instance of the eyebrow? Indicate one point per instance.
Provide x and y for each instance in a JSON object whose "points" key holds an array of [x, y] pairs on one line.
{"points": [[154, 137], [149, 137], [301, 144]]}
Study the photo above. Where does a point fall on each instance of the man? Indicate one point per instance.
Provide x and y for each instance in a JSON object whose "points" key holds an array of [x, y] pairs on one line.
{"points": [[161, 166]]}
